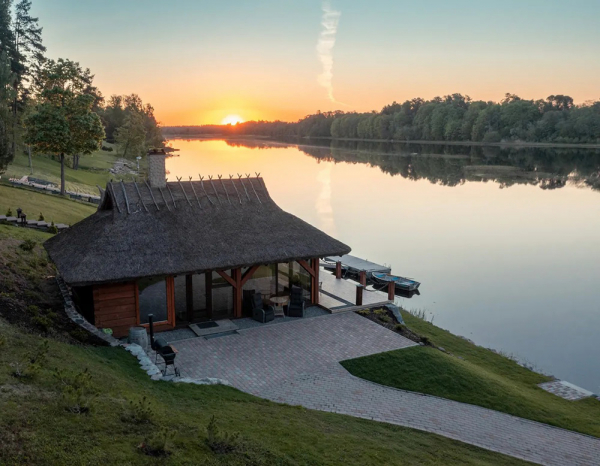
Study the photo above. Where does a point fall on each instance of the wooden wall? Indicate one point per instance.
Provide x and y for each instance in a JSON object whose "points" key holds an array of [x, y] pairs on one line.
{"points": [[115, 307]]}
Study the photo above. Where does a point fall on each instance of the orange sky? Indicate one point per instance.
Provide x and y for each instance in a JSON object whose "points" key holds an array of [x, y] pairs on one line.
{"points": [[198, 62]]}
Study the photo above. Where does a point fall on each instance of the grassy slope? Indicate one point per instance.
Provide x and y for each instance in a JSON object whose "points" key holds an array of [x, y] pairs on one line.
{"points": [[93, 170], [35, 428], [53, 207], [481, 377]]}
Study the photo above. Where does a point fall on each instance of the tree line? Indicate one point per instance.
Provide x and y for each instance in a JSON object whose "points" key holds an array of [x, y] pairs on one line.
{"points": [[455, 117], [52, 107]]}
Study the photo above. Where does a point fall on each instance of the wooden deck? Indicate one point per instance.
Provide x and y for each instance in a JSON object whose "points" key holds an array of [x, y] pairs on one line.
{"points": [[340, 295]]}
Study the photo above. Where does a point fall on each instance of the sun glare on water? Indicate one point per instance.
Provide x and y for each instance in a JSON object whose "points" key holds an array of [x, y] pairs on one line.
{"points": [[232, 120]]}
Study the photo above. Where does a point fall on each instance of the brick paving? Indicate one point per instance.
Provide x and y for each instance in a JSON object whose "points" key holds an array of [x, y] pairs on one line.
{"points": [[298, 363]]}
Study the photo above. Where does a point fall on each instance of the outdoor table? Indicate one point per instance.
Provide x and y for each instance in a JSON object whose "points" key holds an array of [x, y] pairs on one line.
{"points": [[278, 303]]}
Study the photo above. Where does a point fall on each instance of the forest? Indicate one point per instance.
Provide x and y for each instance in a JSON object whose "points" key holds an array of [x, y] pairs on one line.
{"points": [[52, 107], [450, 118]]}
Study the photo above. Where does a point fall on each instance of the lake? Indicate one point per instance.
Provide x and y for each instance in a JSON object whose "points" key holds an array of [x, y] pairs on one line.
{"points": [[505, 242]]}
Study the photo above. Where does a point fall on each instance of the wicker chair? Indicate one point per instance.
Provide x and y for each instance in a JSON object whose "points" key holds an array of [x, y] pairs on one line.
{"points": [[261, 312], [296, 306]]}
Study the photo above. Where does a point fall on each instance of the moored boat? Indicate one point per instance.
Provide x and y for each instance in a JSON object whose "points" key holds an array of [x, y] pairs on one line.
{"points": [[401, 283]]}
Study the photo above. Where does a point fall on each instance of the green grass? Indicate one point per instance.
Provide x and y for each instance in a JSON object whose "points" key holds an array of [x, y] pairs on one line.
{"points": [[474, 375], [53, 207], [36, 429], [93, 170]]}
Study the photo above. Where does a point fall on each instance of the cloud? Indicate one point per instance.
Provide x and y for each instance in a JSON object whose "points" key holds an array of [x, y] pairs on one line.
{"points": [[330, 21]]}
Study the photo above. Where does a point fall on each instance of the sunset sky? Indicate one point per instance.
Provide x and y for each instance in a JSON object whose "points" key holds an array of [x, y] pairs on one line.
{"points": [[198, 62]]}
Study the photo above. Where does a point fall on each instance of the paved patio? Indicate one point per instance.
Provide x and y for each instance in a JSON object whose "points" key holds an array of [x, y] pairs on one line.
{"points": [[298, 363]]}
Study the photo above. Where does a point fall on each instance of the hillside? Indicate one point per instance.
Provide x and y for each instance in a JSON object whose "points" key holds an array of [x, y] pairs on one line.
{"points": [[40, 422]]}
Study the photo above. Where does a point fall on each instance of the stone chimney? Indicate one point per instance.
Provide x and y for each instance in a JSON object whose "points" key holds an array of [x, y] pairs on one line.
{"points": [[156, 168]]}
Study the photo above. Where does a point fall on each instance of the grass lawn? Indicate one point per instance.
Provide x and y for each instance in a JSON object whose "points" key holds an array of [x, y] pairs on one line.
{"points": [[55, 208], [93, 170], [36, 428], [475, 375]]}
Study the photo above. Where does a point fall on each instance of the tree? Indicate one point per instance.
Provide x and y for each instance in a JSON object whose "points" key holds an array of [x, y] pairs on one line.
{"points": [[63, 122], [28, 59], [6, 97], [131, 137]]}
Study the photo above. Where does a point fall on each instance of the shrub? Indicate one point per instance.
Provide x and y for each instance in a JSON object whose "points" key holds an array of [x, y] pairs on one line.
{"points": [[380, 312], [78, 390], [42, 321], [364, 312], [139, 412], [33, 362], [399, 328], [385, 319], [221, 442], [9, 212], [33, 309], [158, 443], [41, 217], [52, 228], [79, 334], [2, 340], [28, 245]]}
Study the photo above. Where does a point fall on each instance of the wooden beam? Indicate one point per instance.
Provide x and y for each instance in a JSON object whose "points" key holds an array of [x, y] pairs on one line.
{"points": [[189, 297], [306, 267], [314, 291], [248, 275], [317, 279], [359, 295], [227, 278], [237, 293], [391, 290], [362, 278], [208, 289], [338, 270]]}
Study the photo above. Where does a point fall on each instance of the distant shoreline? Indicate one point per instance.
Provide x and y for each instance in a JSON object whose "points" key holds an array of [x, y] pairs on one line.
{"points": [[515, 144]]}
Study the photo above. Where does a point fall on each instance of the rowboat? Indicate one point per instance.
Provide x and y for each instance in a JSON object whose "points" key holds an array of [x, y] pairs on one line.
{"points": [[401, 283]]}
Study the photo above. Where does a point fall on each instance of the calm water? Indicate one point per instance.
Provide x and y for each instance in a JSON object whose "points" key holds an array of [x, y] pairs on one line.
{"points": [[505, 243]]}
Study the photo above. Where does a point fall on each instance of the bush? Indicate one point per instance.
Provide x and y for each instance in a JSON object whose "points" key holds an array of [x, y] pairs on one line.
{"points": [[28, 245], [79, 334], [33, 362], [41, 217], [139, 412], [399, 328], [364, 312], [2, 340], [78, 390], [380, 312], [385, 319], [158, 443], [42, 321], [9, 212], [52, 228], [221, 442]]}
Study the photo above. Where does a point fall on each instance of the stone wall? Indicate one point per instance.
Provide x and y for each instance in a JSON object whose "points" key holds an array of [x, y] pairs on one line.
{"points": [[156, 170]]}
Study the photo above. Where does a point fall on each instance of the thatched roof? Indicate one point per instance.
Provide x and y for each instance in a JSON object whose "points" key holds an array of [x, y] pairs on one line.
{"points": [[187, 227]]}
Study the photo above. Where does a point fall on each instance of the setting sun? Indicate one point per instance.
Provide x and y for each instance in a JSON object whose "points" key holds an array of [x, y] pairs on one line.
{"points": [[232, 120]]}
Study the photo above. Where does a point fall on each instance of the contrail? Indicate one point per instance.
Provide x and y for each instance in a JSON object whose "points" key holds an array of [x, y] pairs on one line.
{"points": [[330, 21]]}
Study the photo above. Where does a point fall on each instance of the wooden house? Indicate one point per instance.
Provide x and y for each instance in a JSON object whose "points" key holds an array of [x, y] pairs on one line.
{"points": [[185, 251]]}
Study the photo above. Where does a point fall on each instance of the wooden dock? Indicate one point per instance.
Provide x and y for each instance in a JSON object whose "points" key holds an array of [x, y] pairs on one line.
{"points": [[339, 295], [356, 264]]}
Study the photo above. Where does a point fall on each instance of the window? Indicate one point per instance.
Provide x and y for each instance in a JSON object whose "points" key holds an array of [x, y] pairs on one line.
{"points": [[152, 299]]}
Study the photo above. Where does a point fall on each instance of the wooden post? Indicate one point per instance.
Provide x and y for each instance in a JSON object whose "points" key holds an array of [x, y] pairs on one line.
{"points": [[208, 287], [359, 295], [338, 270], [391, 290], [314, 288], [189, 297], [362, 278], [236, 274]]}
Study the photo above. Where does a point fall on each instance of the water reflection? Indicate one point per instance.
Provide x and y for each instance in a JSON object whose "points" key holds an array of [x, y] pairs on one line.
{"points": [[452, 165], [514, 269]]}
